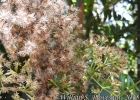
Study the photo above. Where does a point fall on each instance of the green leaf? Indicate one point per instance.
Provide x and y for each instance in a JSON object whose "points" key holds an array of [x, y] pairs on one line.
{"points": [[137, 89], [128, 80], [131, 80], [122, 79], [107, 85], [58, 78], [105, 93]]}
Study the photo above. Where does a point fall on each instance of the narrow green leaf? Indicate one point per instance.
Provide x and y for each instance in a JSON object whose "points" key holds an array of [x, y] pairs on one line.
{"points": [[122, 79]]}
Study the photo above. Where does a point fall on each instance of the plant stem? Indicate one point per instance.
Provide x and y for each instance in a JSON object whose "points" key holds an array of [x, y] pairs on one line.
{"points": [[124, 93], [103, 88]]}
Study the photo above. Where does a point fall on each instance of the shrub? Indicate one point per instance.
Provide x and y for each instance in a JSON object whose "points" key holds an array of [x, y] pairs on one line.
{"points": [[45, 57]]}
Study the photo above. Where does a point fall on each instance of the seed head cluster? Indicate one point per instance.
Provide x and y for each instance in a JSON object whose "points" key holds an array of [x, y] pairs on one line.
{"points": [[46, 57], [45, 31]]}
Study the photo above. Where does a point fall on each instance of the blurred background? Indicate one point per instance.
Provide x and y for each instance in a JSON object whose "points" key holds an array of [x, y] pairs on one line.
{"points": [[119, 20]]}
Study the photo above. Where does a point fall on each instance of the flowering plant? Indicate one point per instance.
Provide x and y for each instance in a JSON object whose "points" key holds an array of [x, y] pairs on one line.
{"points": [[45, 57]]}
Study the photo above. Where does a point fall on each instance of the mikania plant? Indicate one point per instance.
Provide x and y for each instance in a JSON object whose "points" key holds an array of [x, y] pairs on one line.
{"points": [[106, 64], [45, 57]]}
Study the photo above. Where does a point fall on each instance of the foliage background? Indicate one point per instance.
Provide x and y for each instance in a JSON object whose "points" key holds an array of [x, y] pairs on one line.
{"points": [[103, 17]]}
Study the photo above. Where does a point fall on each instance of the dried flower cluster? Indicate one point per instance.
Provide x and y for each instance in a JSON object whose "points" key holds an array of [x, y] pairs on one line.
{"points": [[12, 80], [46, 32], [107, 63]]}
